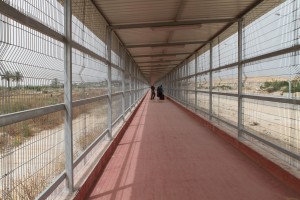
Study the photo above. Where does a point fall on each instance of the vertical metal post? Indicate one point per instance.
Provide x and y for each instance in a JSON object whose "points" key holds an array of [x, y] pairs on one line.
{"points": [[130, 84], [196, 71], [210, 79], [109, 88], [133, 82], [177, 83], [186, 83], [135, 85], [68, 132], [122, 66], [173, 83], [240, 77]]}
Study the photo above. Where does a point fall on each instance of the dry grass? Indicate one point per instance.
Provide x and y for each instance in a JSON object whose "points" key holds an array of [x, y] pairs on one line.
{"points": [[26, 188], [15, 134]]}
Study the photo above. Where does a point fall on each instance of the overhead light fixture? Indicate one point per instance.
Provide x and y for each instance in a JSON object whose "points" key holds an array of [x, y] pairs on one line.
{"points": [[175, 28]]}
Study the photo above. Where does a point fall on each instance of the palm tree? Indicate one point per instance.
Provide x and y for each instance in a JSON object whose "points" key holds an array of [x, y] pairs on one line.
{"points": [[8, 76], [18, 77]]}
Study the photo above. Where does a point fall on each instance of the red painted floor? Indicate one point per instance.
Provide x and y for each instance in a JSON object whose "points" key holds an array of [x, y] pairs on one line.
{"points": [[167, 155]]}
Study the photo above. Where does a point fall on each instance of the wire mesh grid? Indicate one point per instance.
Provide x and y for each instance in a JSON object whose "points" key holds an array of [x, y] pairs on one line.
{"points": [[275, 30], [116, 80], [191, 98], [276, 76], [191, 66], [116, 51], [202, 83], [32, 154], [277, 123], [116, 107], [203, 59], [225, 108], [23, 89], [127, 100], [225, 47], [272, 26], [89, 121], [203, 102], [225, 80], [88, 27], [89, 76], [32, 151], [47, 12]]}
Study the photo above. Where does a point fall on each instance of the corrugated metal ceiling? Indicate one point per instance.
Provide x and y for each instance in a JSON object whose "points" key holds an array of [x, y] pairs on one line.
{"points": [[207, 17]]}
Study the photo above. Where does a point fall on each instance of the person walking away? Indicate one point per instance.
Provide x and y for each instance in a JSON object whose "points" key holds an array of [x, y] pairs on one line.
{"points": [[152, 92], [160, 92]]}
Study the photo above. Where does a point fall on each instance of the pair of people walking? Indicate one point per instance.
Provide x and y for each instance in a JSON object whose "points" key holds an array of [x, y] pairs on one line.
{"points": [[160, 92]]}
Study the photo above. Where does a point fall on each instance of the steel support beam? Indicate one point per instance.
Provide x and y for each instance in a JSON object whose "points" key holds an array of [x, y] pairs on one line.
{"points": [[161, 55], [210, 80], [186, 85], [122, 64], [130, 84], [109, 99], [158, 61], [196, 70], [165, 44], [172, 24], [68, 132], [240, 78]]}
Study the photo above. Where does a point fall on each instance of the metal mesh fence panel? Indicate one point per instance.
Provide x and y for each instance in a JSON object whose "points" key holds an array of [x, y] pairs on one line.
{"points": [[202, 83], [116, 80], [275, 30], [89, 76], [47, 12], [20, 88], [225, 108], [116, 107], [276, 76], [32, 154], [89, 121], [277, 123], [225, 80], [259, 89], [225, 47], [89, 27], [203, 59]]}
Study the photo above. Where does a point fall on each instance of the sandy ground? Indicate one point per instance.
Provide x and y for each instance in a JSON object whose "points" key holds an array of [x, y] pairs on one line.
{"points": [[44, 152]]}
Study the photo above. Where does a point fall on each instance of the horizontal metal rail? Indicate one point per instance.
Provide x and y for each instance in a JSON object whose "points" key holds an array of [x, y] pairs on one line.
{"points": [[20, 17], [116, 94], [48, 191], [38, 112], [29, 114], [272, 99], [278, 148], [89, 52], [89, 148], [246, 61], [87, 101], [116, 121]]}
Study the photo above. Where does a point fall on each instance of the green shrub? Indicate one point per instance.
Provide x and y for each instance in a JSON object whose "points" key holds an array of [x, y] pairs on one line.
{"points": [[296, 86], [275, 86]]}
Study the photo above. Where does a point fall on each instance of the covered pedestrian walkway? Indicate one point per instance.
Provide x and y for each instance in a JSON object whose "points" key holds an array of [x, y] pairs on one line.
{"points": [[168, 154], [77, 122]]}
